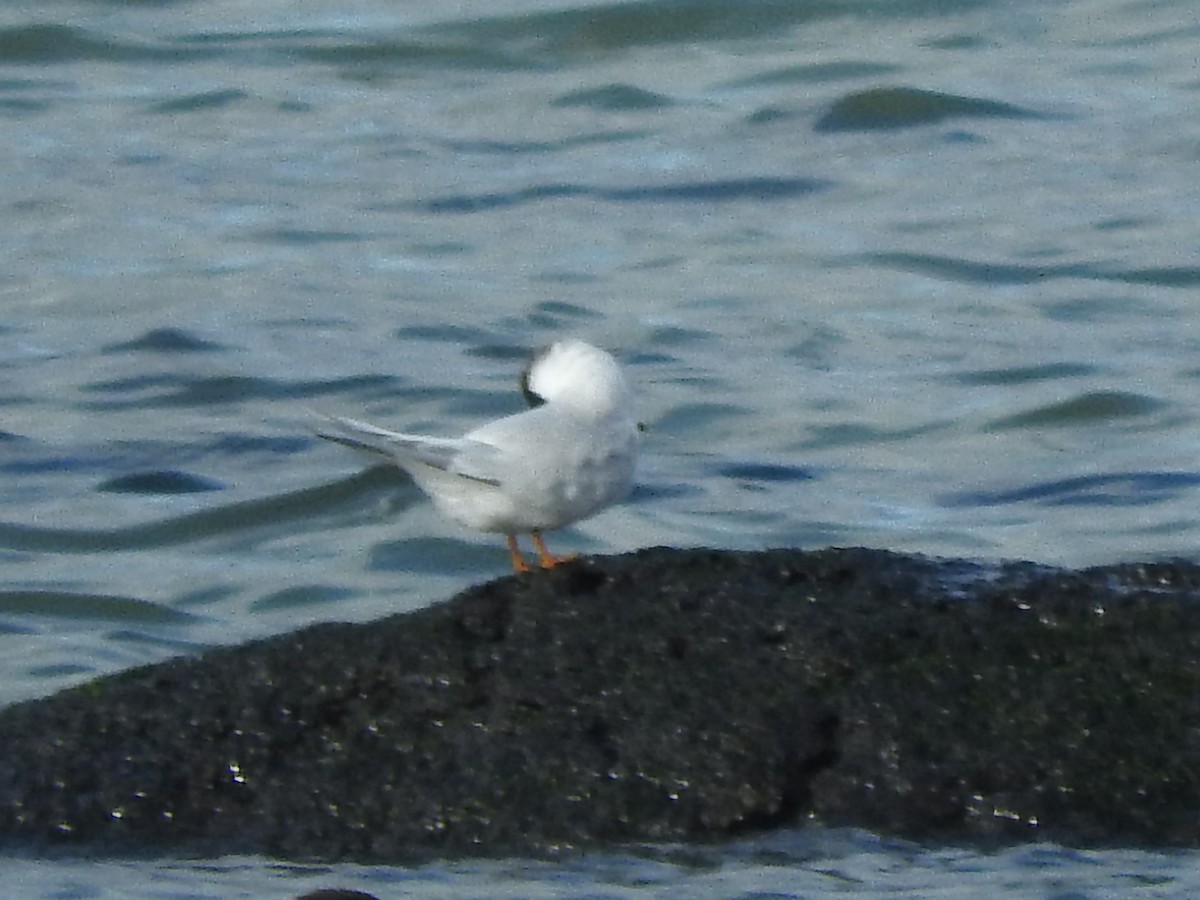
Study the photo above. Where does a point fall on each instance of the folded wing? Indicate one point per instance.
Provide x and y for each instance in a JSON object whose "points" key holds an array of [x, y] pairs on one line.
{"points": [[467, 458]]}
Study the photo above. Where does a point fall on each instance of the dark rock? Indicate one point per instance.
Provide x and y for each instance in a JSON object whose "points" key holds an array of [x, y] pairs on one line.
{"points": [[663, 695]]}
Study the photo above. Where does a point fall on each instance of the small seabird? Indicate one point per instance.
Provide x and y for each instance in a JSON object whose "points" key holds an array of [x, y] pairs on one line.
{"points": [[565, 459]]}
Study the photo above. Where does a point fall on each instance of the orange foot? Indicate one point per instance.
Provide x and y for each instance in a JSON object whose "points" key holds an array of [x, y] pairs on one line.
{"points": [[545, 557], [518, 561]]}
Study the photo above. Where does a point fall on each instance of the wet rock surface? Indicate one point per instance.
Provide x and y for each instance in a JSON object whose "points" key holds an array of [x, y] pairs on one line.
{"points": [[661, 695]]}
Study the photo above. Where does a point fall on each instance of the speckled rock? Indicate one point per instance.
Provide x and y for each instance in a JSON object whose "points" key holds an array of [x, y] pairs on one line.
{"points": [[661, 695]]}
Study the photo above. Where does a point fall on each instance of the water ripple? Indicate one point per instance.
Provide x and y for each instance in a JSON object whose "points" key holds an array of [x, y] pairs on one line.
{"points": [[975, 272], [761, 189], [372, 59], [159, 482], [1093, 407], [88, 606], [200, 102], [164, 340], [616, 26], [1109, 489], [615, 98], [222, 521], [904, 107], [1025, 374], [180, 390], [761, 471], [41, 44]]}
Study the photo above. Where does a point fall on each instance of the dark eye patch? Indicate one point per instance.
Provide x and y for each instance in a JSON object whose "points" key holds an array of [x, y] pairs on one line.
{"points": [[532, 397]]}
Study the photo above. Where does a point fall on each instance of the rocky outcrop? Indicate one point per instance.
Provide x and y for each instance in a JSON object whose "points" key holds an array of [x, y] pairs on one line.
{"points": [[661, 695]]}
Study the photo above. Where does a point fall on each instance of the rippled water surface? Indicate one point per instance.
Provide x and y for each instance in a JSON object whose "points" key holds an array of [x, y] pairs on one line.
{"points": [[917, 274], [786, 866]]}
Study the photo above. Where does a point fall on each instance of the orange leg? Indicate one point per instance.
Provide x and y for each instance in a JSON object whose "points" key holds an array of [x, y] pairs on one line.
{"points": [[518, 560], [547, 559]]}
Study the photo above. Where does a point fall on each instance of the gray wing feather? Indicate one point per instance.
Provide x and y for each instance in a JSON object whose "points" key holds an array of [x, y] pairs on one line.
{"points": [[469, 458]]}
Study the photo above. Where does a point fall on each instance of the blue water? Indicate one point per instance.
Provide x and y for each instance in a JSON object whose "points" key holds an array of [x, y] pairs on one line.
{"points": [[914, 274], [816, 864]]}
